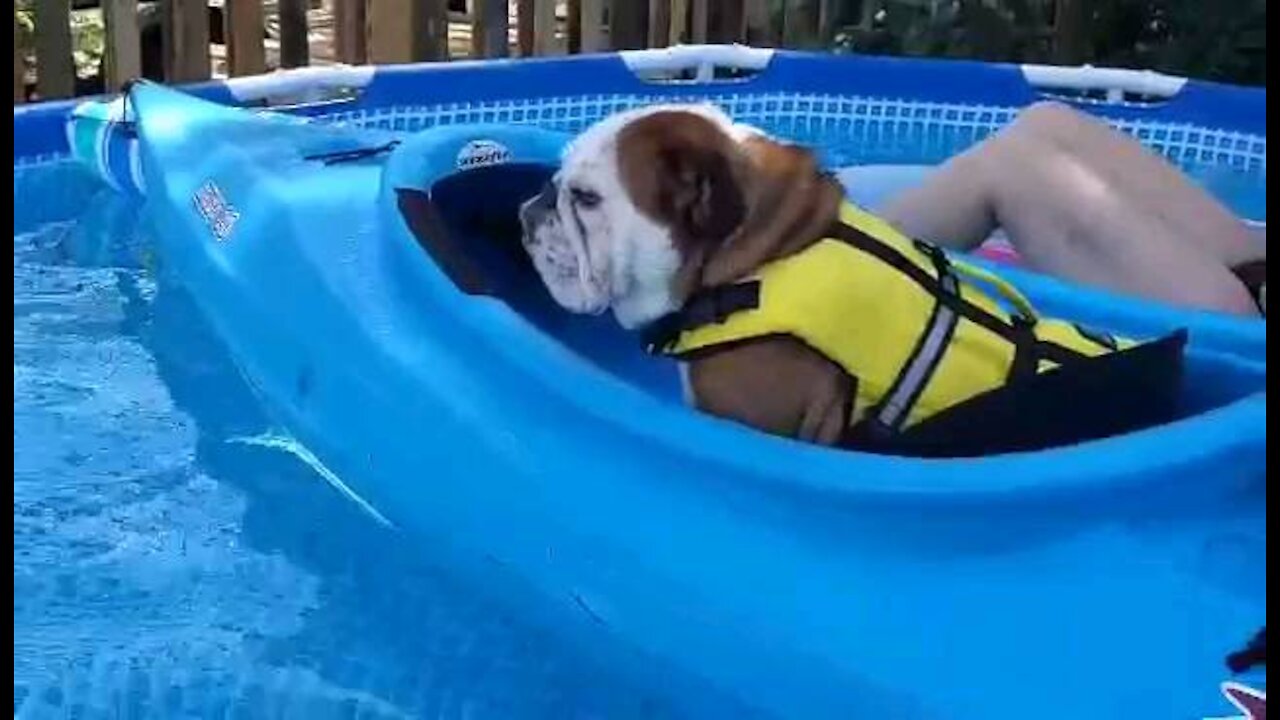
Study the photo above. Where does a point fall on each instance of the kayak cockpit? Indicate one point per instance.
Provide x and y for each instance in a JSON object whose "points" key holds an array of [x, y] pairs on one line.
{"points": [[464, 215]]}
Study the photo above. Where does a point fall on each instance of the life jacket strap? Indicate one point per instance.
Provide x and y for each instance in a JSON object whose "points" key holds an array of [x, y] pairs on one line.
{"points": [[708, 306]]}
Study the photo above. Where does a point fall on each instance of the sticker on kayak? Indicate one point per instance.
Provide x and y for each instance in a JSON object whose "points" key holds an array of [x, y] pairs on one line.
{"points": [[216, 211], [1251, 702], [482, 153]]}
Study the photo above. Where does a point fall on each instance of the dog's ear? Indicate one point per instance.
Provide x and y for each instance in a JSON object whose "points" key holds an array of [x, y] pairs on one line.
{"points": [[683, 170], [700, 193], [792, 204]]}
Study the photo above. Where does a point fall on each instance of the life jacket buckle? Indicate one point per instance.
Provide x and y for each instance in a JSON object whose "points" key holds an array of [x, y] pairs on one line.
{"points": [[1021, 321], [934, 252], [947, 280]]}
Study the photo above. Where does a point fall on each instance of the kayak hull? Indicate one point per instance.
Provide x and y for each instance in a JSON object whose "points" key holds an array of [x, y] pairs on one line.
{"points": [[803, 582]]}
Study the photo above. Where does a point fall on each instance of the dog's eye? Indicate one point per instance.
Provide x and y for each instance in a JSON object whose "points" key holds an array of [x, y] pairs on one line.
{"points": [[585, 198]]}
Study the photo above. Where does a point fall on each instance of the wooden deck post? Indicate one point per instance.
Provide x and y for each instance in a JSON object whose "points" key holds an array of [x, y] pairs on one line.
{"points": [[593, 35], [827, 17], [544, 28], [726, 22], [245, 30], [758, 23], [629, 24], [186, 40], [295, 50], [489, 29], [55, 70], [698, 21], [679, 29], [659, 23], [122, 42], [349, 31], [524, 27], [402, 31]]}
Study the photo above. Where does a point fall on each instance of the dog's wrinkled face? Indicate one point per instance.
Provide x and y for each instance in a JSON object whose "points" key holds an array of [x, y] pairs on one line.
{"points": [[638, 204]]}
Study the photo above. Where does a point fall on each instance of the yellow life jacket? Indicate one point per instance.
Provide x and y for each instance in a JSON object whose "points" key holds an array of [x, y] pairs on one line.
{"points": [[910, 325]]}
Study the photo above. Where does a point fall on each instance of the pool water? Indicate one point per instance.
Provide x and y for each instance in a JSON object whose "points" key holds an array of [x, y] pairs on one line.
{"points": [[174, 553]]}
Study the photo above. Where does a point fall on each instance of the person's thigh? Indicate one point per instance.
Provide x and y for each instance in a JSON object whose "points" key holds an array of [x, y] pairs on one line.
{"points": [[1086, 203], [1069, 219], [1143, 179]]}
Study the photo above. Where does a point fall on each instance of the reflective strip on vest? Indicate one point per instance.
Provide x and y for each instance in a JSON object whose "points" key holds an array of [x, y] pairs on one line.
{"points": [[916, 374]]}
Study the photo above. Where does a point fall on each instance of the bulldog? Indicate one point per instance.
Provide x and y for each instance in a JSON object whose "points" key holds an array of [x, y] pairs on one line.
{"points": [[654, 212], [653, 204]]}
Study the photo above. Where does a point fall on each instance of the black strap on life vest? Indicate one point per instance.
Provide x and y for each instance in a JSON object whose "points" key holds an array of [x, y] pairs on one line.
{"points": [[1015, 332], [1026, 356], [708, 306]]}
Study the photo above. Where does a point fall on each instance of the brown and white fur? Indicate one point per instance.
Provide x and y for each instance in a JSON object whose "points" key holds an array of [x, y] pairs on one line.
{"points": [[651, 205]]}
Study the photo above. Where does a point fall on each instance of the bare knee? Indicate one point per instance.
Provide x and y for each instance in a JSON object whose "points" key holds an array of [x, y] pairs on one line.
{"points": [[1048, 120], [1042, 142], [1048, 112], [1018, 164], [1040, 127]]}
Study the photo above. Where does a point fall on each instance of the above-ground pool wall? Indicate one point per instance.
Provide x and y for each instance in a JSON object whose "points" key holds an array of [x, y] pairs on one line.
{"points": [[937, 106]]}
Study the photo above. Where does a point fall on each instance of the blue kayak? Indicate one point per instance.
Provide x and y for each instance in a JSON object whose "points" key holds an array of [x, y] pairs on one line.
{"points": [[372, 287]]}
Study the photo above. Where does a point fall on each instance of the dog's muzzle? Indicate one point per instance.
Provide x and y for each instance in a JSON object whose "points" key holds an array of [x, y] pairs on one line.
{"points": [[560, 258]]}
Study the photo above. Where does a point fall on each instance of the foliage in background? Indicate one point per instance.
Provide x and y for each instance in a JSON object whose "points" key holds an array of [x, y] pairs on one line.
{"points": [[87, 36], [26, 27], [1014, 30], [1224, 40]]}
